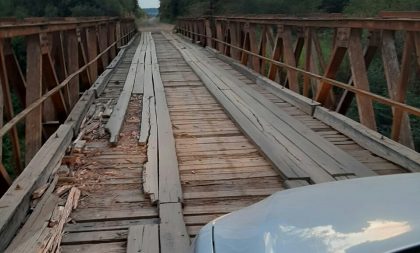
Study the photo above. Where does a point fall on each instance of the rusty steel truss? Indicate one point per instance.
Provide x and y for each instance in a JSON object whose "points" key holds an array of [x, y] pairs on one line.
{"points": [[63, 58], [306, 55]]}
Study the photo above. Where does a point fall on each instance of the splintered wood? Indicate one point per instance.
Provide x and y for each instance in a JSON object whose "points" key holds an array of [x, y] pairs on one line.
{"points": [[110, 176], [48, 236], [162, 182]]}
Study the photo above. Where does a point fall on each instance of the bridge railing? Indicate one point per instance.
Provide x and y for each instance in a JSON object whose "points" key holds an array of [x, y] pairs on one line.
{"points": [[45, 64], [329, 58]]}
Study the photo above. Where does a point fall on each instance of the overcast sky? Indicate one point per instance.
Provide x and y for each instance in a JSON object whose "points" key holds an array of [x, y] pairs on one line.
{"points": [[149, 3]]}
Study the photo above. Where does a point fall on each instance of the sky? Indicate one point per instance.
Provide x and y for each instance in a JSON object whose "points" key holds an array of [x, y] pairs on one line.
{"points": [[149, 3]]}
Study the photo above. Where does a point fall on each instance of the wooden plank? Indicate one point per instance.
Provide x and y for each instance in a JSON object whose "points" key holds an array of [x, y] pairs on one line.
{"points": [[115, 247], [94, 237], [80, 110], [114, 63], [123, 211], [148, 96], [305, 104], [288, 146], [108, 225], [151, 173], [257, 109], [15, 202], [145, 125], [169, 184], [116, 120], [100, 83], [139, 82], [173, 232], [371, 140], [261, 141], [38, 217], [143, 238], [314, 145]]}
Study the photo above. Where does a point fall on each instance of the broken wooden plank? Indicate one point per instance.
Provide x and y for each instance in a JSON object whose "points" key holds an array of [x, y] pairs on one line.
{"points": [[48, 238], [16, 201], [148, 95], [143, 238], [173, 233], [145, 118], [39, 216], [150, 173], [57, 233], [116, 120]]}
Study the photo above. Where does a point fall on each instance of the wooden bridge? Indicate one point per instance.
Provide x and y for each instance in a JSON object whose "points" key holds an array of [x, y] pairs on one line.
{"points": [[135, 140]]}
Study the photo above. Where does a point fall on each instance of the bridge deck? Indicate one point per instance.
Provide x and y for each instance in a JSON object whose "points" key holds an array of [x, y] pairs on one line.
{"points": [[221, 167]]}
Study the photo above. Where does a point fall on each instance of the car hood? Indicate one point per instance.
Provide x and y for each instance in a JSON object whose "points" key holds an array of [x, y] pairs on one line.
{"points": [[376, 214]]}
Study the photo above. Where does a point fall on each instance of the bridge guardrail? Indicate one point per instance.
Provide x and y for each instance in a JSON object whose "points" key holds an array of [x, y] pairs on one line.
{"points": [[305, 54], [63, 57]]}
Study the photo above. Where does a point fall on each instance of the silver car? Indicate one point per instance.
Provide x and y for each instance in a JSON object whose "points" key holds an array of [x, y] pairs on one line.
{"points": [[375, 214]]}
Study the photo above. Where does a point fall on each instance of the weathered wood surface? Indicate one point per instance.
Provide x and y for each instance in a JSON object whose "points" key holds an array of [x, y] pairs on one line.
{"points": [[112, 177], [151, 171], [80, 110], [148, 92], [307, 144], [300, 102], [115, 122], [371, 140], [15, 202], [38, 217], [174, 237], [287, 167], [143, 238], [217, 163]]}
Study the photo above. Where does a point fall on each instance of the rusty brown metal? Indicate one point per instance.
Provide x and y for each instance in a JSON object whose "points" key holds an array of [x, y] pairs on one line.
{"points": [[296, 51], [61, 54]]}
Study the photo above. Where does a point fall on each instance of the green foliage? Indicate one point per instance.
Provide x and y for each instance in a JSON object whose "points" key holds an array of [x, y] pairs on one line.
{"points": [[63, 8], [373, 7], [170, 9]]}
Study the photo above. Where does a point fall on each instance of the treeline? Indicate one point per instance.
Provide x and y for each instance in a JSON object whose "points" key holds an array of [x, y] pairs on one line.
{"points": [[170, 9], [65, 8]]}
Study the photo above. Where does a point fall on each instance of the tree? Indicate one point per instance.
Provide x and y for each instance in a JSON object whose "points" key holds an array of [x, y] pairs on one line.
{"points": [[373, 7]]}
